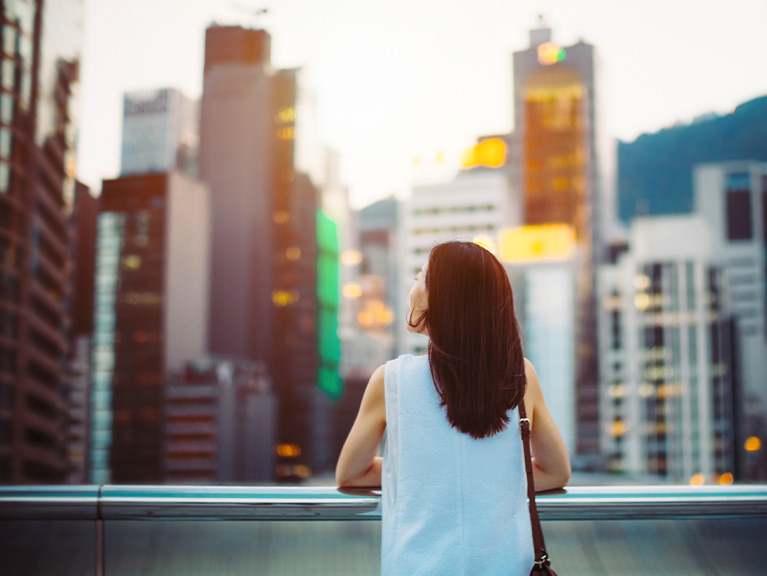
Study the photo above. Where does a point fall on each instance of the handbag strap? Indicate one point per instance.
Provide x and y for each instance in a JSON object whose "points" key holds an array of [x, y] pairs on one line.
{"points": [[541, 557]]}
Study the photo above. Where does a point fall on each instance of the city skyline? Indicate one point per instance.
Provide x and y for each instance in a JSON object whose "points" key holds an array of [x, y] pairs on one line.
{"points": [[387, 78]]}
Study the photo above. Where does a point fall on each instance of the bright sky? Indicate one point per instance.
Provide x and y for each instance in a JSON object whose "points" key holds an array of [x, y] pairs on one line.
{"points": [[397, 79]]}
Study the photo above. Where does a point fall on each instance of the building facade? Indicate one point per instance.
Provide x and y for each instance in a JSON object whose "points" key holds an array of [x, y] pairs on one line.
{"points": [[542, 265], [220, 424], [274, 288], [160, 132], [40, 45], [151, 301], [77, 373], [667, 398], [475, 206], [732, 198], [560, 166]]}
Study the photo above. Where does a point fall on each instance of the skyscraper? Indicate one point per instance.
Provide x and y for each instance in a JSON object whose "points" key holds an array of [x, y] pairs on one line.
{"points": [[219, 423], [40, 60], [732, 198], [77, 377], [152, 266], [160, 132], [272, 245], [667, 389], [559, 163]]}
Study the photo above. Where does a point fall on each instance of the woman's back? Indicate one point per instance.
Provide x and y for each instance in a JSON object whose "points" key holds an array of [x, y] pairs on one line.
{"points": [[452, 504]]}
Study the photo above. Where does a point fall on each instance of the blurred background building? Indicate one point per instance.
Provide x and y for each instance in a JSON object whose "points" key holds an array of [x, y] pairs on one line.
{"points": [[40, 61], [274, 289], [151, 304], [667, 389], [542, 264], [220, 423], [560, 168], [160, 132], [474, 206], [688, 301], [77, 372]]}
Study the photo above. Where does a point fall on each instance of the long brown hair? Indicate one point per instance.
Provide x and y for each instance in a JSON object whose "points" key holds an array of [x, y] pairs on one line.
{"points": [[475, 351]]}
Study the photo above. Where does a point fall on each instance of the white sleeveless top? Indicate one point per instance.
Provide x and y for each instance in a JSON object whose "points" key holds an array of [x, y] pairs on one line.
{"points": [[450, 504]]}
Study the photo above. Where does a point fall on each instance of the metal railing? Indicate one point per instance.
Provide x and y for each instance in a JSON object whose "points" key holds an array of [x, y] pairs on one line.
{"points": [[125, 502], [190, 530]]}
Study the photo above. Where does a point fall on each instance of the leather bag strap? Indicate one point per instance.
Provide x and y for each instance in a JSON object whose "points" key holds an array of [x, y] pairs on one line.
{"points": [[541, 557]]}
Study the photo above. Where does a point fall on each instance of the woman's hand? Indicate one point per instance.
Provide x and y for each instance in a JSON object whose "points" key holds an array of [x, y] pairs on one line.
{"points": [[551, 464], [358, 464]]}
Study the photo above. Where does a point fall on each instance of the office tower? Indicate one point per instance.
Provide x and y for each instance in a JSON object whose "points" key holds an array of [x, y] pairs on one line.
{"points": [[732, 198], [77, 373], [542, 264], [151, 301], [220, 424], [559, 167], [37, 136], [667, 401], [475, 206], [654, 170], [160, 132], [274, 286]]}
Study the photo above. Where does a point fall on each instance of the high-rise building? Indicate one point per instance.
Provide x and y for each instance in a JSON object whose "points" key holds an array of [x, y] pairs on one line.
{"points": [[668, 396], [160, 132], [541, 262], [475, 206], [40, 46], [220, 424], [559, 168], [274, 281], [732, 198], [77, 375], [151, 302]]}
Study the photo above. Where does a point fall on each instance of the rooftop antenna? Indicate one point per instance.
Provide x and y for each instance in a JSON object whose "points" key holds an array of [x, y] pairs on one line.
{"points": [[255, 13]]}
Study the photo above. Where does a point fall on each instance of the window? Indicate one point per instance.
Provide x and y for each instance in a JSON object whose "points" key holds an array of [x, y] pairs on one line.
{"points": [[738, 207]]}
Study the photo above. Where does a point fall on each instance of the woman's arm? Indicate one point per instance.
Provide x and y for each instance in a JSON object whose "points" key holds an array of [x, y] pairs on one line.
{"points": [[551, 464], [358, 464]]}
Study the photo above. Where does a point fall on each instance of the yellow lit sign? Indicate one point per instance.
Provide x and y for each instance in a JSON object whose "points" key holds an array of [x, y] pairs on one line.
{"points": [[544, 242], [490, 153]]}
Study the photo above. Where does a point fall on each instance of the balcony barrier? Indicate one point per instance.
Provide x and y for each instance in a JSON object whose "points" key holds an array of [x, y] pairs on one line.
{"points": [[187, 530]]}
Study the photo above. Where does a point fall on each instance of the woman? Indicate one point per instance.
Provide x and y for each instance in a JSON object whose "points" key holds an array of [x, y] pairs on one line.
{"points": [[453, 475]]}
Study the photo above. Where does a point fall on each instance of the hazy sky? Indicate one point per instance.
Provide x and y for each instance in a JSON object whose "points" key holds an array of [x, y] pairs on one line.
{"points": [[401, 78]]}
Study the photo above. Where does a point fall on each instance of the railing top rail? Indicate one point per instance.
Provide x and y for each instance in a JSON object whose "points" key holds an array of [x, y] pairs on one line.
{"points": [[128, 502]]}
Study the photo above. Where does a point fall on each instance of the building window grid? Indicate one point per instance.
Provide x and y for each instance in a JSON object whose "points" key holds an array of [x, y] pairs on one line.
{"points": [[110, 228]]}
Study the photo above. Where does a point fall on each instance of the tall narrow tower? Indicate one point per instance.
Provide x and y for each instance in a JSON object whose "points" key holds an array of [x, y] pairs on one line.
{"points": [[558, 170]]}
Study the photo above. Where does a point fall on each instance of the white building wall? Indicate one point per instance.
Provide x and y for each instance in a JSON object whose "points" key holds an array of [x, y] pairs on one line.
{"points": [[671, 413], [187, 270], [744, 263], [544, 299], [475, 204]]}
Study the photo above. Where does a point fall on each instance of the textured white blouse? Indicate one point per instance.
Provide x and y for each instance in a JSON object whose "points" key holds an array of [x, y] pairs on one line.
{"points": [[451, 504]]}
